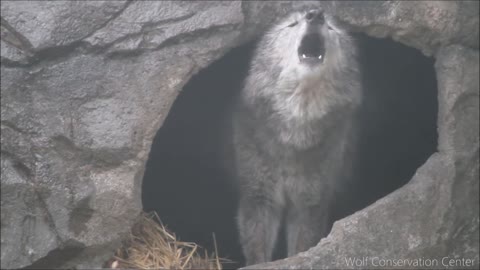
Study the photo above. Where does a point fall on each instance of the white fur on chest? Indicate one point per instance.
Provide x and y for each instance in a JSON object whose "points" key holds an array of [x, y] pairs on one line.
{"points": [[301, 100], [300, 105]]}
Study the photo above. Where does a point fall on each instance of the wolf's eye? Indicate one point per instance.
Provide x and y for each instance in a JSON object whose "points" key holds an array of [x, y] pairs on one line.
{"points": [[329, 27], [292, 24]]}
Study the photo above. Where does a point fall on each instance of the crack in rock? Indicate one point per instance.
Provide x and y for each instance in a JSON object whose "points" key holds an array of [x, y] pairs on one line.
{"points": [[41, 25]]}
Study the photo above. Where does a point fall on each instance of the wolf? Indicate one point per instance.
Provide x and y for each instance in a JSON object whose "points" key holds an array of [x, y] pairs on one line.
{"points": [[293, 133]]}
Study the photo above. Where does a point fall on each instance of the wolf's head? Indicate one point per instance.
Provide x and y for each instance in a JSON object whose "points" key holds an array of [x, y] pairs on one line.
{"points": [[307, 42], [303, 69]]}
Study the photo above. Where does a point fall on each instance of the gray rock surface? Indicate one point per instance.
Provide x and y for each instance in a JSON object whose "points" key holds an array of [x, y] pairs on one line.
{"points": [[425, 25], [85, 85]]}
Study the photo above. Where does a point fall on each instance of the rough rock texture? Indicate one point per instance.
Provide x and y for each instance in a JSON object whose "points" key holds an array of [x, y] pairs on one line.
{"points": [[85, 85]]}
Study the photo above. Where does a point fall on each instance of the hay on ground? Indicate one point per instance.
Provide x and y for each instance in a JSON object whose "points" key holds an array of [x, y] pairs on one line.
{"points": [[151, 246]]}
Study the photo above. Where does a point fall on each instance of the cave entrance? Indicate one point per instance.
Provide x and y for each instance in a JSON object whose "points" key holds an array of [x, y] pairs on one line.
{"points": [[398, 119], [184, 182]]}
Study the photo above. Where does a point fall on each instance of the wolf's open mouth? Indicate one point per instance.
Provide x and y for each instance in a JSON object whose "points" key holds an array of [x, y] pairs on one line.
{"points": [[312, 49]]}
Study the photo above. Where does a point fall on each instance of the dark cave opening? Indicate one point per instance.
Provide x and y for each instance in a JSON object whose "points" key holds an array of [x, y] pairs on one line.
{"points": [[185, 184]]}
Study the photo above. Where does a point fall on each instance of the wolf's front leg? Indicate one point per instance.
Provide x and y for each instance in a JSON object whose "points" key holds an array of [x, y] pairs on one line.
{"points": [[305, 227], [258, 224]]}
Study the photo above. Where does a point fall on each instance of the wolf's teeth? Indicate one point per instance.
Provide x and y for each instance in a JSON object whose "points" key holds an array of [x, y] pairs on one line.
{"points": [[320, 57], [304, 56]]}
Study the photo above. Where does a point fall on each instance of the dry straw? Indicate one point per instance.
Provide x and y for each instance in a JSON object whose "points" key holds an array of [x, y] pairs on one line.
{"points": [[151, 246]]}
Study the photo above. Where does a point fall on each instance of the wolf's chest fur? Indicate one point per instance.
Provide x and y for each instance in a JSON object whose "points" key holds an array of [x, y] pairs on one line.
{"points": [[302, 112]]}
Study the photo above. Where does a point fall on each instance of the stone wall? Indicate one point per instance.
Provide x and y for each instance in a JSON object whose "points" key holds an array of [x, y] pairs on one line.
{"points": [[85, 85]]}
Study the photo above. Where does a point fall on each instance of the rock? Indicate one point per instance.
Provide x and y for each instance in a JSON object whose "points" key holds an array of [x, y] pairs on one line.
{"points": [[83, 172], [425, 25], [46, 24], [86, 85], [76, 130], [139, 28]]}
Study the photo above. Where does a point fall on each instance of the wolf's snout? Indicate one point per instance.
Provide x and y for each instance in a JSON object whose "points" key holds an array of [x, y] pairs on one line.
{"points": [[315, 16]]}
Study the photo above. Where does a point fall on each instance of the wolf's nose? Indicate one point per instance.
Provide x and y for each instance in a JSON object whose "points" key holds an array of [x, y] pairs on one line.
{"points": [[315, 16]]}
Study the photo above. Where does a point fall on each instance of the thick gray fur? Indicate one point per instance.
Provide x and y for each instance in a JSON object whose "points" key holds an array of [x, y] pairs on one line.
{"points": [[293, 135]]}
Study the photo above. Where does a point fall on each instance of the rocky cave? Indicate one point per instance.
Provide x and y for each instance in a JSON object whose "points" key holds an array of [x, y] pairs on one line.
{"points": [[108, 108], [184, 182]]}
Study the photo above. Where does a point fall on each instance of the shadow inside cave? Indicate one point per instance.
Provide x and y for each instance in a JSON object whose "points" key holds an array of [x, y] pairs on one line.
{"points": [[185, 184]]}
